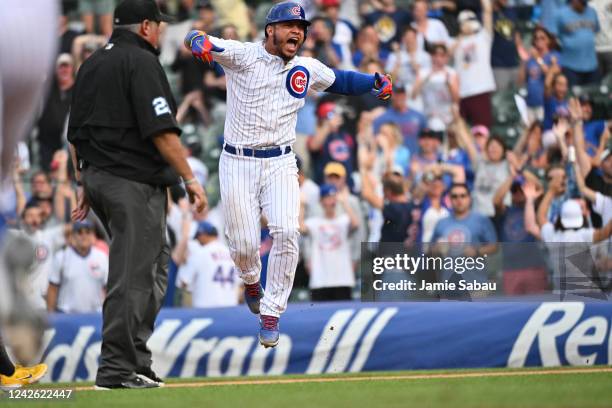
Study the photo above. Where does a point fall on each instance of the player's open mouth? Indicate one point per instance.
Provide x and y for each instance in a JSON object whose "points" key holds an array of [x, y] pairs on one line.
{"points": [[293, 43]]}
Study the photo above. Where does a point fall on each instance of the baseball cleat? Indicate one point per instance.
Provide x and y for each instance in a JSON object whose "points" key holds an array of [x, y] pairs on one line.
{"points": [[22, 376], [253, 293], [136, 383], [268, 333], [150, 377]]}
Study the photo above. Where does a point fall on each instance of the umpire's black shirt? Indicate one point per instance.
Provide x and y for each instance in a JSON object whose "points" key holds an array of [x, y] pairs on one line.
{"points": [[120, 101]]}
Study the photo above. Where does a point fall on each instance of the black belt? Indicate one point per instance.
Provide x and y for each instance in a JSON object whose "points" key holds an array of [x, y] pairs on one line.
{"points": [[258, 153]]}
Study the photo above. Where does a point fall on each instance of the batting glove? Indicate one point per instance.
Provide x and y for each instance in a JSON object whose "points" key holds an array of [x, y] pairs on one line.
{"points": [[383, 88], [200, 46]]}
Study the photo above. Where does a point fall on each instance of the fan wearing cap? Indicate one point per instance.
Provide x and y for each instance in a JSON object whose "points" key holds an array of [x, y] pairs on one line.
{"points": [[78, 277], [55, 111], [126, 151], [491, 167], [208, 275], [331, 271], [572, 226], [569, 239], [473, 64], [330, 142], [427, 154], [336, 175], [344, 31]]}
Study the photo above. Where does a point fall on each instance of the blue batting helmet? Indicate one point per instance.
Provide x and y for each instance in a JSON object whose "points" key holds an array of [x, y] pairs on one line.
{"points": [[286, 11]]}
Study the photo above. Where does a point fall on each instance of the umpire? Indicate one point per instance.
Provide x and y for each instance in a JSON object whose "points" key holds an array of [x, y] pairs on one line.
{"points": [[124, 142]]}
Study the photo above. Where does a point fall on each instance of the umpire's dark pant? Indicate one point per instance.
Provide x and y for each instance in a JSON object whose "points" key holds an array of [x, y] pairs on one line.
{"points": [[134, 215], [6, 365]]}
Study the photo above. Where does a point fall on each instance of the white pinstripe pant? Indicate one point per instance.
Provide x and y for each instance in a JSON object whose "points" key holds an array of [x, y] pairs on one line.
{"points": [[250, 188], [27, 51]]}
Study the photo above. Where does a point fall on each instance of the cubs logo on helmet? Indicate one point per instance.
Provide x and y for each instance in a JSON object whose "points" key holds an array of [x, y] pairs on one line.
{"points": [[297, 81], [286, 11]]}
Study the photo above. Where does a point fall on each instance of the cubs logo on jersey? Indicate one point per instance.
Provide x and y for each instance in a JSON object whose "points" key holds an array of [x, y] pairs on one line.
{"points": [[41, 252], [339, 150], [297, 81]]}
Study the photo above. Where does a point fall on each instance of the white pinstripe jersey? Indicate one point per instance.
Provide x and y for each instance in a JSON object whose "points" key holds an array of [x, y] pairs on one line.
{"points": [[264, 94]]}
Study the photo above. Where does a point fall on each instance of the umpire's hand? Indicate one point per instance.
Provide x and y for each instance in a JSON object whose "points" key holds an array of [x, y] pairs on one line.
{"points": [[82, 209], [169, 145], [197, 195]]}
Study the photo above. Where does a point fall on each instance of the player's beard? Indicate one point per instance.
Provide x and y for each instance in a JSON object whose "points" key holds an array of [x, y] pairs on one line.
{"points": [[279, 48]]}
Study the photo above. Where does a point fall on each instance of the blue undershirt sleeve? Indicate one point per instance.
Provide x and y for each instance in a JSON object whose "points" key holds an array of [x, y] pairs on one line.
{"points": [[351, 83]]}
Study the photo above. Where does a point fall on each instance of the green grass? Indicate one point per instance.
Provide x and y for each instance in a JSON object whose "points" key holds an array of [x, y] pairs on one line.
{"points": [[563, 390]]}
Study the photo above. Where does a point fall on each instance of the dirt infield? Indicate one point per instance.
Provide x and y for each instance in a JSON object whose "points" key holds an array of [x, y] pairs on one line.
{"points": [[280, 380]]}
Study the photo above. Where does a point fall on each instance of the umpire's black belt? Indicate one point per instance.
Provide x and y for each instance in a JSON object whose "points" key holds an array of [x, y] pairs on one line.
{"points": [[258, 153]]}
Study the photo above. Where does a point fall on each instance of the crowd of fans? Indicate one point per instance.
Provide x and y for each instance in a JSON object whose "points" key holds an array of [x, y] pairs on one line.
{"points": [[451, 158]]}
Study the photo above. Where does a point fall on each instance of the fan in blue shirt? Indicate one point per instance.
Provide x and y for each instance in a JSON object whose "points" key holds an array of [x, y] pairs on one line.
{"points": [[576, 25]]}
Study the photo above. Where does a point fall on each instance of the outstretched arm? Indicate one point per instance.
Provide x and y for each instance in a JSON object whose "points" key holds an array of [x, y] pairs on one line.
{"points": [[229, 54], [500, 194], [464, 137], [200, 45], [542, 213], [356, 83], [532, 192], [586, 191], [487, 15]]}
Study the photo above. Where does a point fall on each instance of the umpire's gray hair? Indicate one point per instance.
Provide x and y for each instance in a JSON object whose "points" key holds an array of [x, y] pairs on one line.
{"points": [[135, 28]]}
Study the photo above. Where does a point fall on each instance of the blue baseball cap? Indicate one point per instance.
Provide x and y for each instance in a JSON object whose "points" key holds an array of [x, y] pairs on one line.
{"points": [[206, 228], [79, 225], [327, 190]]}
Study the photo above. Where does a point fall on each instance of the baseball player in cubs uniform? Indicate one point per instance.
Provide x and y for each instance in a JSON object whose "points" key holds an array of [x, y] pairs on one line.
{"points": [[24, 73], [266, 86]]}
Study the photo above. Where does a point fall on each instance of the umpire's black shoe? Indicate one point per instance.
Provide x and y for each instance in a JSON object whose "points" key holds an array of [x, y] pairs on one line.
{"points": [[135, 383], [149, 375]]}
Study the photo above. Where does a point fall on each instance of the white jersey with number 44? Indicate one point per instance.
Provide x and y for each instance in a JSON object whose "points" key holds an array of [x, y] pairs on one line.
{"points": [[210, 275], [264, 93]]}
